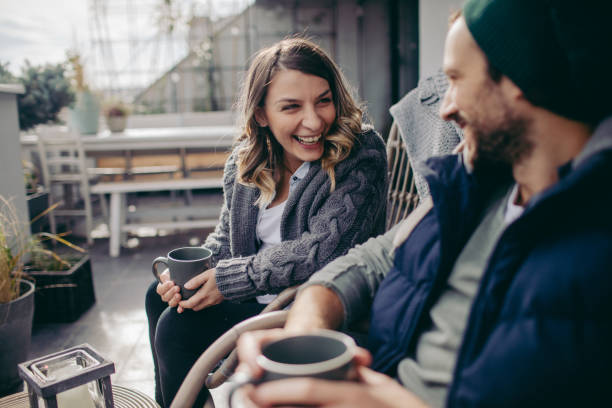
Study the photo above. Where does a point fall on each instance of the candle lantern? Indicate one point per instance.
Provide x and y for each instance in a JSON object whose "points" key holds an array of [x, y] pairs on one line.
{"points": [[76, 377]]}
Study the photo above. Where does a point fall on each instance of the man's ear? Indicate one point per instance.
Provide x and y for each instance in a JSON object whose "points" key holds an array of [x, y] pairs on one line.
{"points": [[260, 117], [511, 89]]}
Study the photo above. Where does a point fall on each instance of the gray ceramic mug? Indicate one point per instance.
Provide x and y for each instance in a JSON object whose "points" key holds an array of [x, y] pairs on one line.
{"points": [[324, 354], [183, 264]]}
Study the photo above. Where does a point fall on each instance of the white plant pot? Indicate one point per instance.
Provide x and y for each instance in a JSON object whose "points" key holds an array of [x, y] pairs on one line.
{"points": [[116, 123]]}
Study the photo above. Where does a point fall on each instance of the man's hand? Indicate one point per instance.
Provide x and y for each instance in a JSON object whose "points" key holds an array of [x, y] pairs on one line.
{"points": [[167, 290], [318, 307], [250, 344], [372, 390], [315, 307], [249, 347], [207, 295]]}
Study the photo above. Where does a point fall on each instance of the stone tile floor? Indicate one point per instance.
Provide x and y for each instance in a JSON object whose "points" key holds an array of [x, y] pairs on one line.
{"points": [[116, 325]]}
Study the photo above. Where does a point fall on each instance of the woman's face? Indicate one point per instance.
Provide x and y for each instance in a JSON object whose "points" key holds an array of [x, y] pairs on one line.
{"points": [[299, 110]]}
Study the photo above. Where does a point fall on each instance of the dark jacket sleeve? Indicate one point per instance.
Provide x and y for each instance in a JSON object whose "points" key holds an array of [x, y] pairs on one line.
{"points": [[551, 346]]}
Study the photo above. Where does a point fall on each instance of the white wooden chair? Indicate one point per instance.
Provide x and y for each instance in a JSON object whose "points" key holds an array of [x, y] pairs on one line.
{"points": [[402, 198], [65, 176]]}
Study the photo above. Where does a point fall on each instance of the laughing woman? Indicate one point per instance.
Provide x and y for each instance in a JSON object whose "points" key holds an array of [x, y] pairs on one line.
{"points": [[305, 182]]}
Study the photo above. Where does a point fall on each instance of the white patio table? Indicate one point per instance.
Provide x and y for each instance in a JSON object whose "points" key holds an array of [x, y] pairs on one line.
{"points": [[181, 140], [219, 138]]}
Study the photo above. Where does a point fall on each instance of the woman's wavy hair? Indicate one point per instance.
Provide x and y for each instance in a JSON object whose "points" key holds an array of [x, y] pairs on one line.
{"points": [[260, 156]]}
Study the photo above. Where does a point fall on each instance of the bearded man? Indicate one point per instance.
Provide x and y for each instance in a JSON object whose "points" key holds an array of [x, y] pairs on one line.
{"points": [[501, 293]]}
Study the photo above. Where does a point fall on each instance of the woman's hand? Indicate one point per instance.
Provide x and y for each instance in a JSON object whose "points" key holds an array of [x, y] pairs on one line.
{"points": [[468, 150], [459, 148], [372, 390], [167, 290], [207, 295]]}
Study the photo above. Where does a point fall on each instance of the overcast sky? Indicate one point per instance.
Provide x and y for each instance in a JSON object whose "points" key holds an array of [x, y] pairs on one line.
{"points": [[43, 30], [40, 30]]}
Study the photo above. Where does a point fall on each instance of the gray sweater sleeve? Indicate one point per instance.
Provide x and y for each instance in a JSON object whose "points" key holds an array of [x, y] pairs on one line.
{"points": [[346, 217], [356, 276], [218, 241]]}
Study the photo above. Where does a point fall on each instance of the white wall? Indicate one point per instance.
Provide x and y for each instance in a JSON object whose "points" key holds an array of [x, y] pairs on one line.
{"points": [[12, 184], [214, 118], [433, 24]]}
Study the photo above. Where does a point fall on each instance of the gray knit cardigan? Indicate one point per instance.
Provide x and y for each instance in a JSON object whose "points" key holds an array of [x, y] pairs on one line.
{"points": [[316, 226]]}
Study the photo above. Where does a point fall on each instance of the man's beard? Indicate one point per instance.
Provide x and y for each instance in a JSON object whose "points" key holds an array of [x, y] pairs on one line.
{"points": [[497, 150]]}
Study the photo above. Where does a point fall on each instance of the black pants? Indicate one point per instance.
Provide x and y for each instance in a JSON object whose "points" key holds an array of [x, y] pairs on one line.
{"points": [[177, 340]]}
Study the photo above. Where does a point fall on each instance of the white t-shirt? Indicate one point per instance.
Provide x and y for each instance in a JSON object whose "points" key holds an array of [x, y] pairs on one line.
{"points": [[269, 220], [268, 233]]}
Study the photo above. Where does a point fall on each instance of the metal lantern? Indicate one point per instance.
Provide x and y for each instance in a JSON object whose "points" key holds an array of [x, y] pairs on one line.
{"points": [[76, 377]]}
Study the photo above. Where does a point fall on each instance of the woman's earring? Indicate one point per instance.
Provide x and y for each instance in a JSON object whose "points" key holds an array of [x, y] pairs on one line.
{"points": [[268, 143]]}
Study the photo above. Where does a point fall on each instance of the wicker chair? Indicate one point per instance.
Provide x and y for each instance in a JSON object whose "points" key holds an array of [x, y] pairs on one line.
{"points": [[402, 198]]}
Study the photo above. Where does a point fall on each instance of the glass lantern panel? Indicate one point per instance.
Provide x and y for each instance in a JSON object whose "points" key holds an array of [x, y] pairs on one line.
{"points": [[63, 366]]}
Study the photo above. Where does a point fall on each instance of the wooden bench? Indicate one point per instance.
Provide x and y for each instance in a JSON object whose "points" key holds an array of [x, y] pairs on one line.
{"points": [[118, 208]]}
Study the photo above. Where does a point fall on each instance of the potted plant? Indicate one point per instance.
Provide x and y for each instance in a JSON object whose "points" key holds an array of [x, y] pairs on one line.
{"points": [[116, 114], [31, 177], [17, 295], [36, 196], [47, 91], [16, 299], [85, 113], [63, 277], [64, 284]]}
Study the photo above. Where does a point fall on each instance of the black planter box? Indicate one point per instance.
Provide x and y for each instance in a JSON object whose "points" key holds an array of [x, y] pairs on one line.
{"points": [[63, 296], [37, 203]]}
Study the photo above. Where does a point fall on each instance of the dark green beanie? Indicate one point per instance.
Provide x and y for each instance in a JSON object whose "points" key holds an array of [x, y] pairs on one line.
{"points": [[557, 52]]}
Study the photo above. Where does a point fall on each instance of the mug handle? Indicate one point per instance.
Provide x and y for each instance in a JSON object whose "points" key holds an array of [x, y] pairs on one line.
{"points": [[158, 260], [238, 380]]}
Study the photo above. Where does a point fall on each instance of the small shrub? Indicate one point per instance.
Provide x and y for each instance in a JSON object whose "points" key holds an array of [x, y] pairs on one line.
{"points": [[47, 91], [17, 249]]}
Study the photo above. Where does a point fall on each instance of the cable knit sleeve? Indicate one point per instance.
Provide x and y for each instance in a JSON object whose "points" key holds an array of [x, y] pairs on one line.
{"points": [[218, 241], [335, 222]]}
